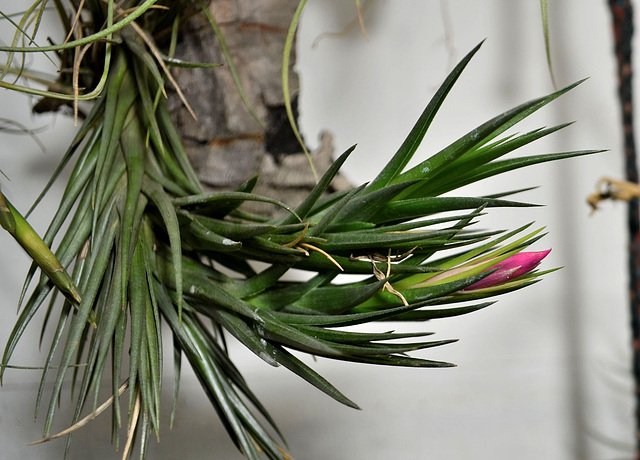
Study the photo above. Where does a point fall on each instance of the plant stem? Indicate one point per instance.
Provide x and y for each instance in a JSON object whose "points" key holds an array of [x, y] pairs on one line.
{"points": [[622, 14]]}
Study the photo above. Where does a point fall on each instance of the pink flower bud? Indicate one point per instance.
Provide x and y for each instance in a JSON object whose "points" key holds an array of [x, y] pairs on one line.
{"points": [[512, 267]]}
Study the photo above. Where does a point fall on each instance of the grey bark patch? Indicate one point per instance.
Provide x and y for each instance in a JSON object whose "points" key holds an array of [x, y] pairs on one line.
{"points": [[226, 144]]}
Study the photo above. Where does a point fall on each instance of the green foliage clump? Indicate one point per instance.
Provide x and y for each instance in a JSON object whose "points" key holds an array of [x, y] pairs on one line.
{"points": [[144, 244]]}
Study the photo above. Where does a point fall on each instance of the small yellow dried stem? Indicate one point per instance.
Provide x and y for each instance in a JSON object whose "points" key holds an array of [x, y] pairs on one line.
{"points": [[75, 22], [299, 238], [132, 428], [363, 31], [608, 188], [324, 253], [85, 420], [296, 244], [284, 453]]}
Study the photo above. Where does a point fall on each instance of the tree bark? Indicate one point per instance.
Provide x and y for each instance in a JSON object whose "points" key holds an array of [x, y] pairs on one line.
{"points": [[226, 144]]}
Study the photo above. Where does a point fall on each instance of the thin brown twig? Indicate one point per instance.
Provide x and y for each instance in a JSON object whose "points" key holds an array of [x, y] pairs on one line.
{"points": [[162, 65]]}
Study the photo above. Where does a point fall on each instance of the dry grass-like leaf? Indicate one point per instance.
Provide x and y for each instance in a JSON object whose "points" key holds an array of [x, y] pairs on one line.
{"points": [[85, 420]]}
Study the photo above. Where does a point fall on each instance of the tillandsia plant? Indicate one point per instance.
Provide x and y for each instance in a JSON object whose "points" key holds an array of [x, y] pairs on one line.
{"points": [[141, 243]]}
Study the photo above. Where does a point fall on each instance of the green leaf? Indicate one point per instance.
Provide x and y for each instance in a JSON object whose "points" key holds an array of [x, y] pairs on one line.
{"points": [[347, 319], [544, 13], [209, 372], [177, 372], [90, 122], [207, 290], [334, 211], [37, 249], [384, 351], [318, 262], [132, 16], [404, 154], [243, 332], [335, 299], [299, 368], [168, 213], [422, 314], [286, 54], [302, 211], [500, 167], [186, 175], [118, 351], [153, 343], [148, 112], [138, 292], [418, 296], [197, 236], [78, 322], [478, 158], [210, 203], [133, 150], [120, 97], [109, 318], [233, 230], [354, 337], [403, 361], [351, 242], [413, 208], [271, 328], [276, 297], [363, 208], [444, 160], [48, 366]]}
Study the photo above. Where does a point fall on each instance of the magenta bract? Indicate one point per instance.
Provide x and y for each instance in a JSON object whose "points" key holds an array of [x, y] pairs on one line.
{"points": [[510, 268]]}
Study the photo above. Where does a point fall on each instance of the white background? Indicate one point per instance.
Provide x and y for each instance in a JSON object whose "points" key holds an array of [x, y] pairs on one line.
{"points": [[544, 374]]}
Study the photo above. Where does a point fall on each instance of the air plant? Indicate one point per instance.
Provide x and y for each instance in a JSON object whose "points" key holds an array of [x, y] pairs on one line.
{"points": [[141, 243]]}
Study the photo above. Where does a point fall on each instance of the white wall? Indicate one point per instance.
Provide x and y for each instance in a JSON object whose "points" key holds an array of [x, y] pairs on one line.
{"points": [[542, 374]]}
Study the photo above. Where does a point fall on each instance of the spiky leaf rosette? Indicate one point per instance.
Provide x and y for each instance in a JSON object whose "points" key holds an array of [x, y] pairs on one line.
{"points": [[144, 244]]}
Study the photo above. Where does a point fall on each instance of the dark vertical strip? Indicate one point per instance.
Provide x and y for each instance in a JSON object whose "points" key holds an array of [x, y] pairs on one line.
{"points": [[622, 13]]}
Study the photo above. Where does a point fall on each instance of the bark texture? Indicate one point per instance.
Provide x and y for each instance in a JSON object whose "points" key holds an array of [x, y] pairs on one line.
{"points": [[227, 145]]}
